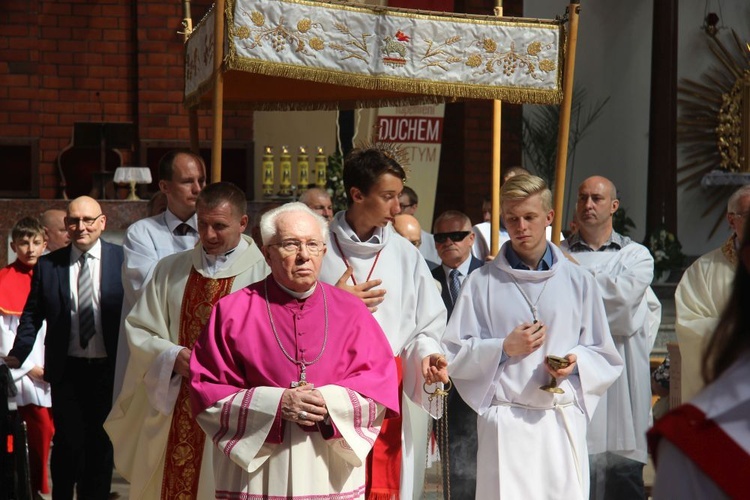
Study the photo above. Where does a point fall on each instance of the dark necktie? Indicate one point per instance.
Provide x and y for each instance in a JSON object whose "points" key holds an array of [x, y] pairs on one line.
{"points": [[183, 230], [455, 284], [86, 327]]}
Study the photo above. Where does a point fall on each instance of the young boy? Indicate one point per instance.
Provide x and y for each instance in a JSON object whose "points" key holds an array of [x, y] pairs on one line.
{"points": [[33, 398]]}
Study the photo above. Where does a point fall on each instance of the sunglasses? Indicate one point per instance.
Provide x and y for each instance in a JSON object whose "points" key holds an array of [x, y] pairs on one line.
{"points": [[455, 236]]}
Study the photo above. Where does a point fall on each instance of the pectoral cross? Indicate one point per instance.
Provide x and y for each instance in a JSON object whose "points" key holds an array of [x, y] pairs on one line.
{"points": [[302, 380]]}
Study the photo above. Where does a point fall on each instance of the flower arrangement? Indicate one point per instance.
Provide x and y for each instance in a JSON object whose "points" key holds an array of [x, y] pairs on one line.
{"points": [[667, 252]]}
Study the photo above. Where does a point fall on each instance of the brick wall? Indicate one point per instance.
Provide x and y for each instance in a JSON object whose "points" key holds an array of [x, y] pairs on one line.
{"points": [[67, 61], [466, 158]]}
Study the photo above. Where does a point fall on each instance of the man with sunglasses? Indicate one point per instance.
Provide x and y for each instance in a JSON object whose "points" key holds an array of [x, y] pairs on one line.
{"points": [[151, 420], [78, 291], [526, 317], [453, 240]]}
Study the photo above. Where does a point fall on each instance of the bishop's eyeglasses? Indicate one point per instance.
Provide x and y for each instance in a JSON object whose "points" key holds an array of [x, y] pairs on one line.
{"points": [[292, 247]]}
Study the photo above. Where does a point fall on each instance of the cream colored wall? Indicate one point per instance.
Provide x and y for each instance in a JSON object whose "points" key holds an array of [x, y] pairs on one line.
{"points": [[292, 129]]}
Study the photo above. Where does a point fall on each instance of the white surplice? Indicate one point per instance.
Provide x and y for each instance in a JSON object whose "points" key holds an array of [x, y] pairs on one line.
{"points": [[30, 391], [532, 443], [140, 420], [239, 426], [146, 242], [700, 298], [412, 315], [623, 416]]}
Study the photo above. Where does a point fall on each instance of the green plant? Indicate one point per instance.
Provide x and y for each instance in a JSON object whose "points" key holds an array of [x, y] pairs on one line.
{"points": [[621, 222], [540, 128], [666, 250], [335, 181]]}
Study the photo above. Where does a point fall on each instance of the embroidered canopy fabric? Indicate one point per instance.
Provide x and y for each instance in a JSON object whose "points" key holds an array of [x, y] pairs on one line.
{"points": [[355, 56]]}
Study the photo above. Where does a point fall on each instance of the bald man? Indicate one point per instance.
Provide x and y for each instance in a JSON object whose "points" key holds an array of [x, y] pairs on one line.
{"points": [[319, 202], [623, 271], [55, 232], [77, 290], [408, 226]]}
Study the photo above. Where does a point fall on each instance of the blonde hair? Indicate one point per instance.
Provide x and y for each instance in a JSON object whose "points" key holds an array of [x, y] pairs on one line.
{"points": [[520, 187]]}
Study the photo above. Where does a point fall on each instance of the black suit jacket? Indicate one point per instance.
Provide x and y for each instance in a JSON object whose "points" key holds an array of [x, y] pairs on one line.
{"points": [[49, 300], [439, 275]]}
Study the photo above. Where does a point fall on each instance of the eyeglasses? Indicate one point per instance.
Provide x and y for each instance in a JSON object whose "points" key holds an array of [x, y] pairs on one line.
{"points": [[455, 236], [292, 247], [73, 222], [739, 214]]}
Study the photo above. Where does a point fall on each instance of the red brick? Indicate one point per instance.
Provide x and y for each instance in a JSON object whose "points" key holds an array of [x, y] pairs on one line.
{"points": [[18, 30], [58, 9], [13, 103], [16, 80], [87, 59], [55, 33]]}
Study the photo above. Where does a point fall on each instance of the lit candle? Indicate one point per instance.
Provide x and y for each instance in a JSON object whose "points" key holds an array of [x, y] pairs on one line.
{"points": [[320, 168], [303, 170], [268, 171], [285, 162]]}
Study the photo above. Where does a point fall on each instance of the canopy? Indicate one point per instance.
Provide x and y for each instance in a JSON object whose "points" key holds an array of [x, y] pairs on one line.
{"points": [[363, 56]]}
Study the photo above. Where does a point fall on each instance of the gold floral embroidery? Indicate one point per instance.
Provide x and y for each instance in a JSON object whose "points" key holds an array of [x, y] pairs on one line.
{"points": [[437, 55], [355, 47], [281, 36], [511, 60]]}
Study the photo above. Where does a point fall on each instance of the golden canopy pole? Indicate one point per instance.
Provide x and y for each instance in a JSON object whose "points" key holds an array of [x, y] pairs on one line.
{"points": [[187, 24], [496, 142], [564, 128], [218, 104]]}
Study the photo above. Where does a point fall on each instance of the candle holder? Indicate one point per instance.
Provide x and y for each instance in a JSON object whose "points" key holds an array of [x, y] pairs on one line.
{"points": [[285, 163], [303, 171], [268, 169], [321, 162]]}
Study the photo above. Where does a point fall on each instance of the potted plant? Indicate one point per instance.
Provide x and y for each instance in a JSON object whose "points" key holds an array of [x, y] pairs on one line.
{"points": [[667, 252]]}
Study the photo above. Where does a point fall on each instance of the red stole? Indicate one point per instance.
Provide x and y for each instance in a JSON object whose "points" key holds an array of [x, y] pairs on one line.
{"points": [[182, 465], [16, 285], [707, 445], [383, 480]]}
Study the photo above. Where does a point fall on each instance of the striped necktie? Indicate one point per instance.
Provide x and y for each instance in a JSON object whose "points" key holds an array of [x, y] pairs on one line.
{"points": [[86, 327], [183, 229], [455, 284]]}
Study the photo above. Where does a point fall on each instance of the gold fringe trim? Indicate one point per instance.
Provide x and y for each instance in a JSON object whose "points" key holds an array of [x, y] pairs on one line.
{"points": [[425, 91]]}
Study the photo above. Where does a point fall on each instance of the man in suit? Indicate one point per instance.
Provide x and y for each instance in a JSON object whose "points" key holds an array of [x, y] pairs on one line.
{"points": [[78, 291], [453, 241]]}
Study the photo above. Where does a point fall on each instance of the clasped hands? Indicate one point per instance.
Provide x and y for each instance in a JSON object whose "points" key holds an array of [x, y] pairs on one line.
{"points": [[527, 338], [303, 405]]}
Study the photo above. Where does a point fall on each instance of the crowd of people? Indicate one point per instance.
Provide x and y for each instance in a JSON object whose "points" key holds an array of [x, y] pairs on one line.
{"points": [[299, 355]]}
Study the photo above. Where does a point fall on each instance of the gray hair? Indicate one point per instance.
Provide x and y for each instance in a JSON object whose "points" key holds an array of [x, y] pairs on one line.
{"points": [[734, 200], [268, 221]]}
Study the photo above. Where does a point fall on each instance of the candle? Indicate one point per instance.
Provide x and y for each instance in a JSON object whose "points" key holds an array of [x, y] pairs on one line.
{"points": [[303, 171], [321, 161], [285, 162], [268, 171]]}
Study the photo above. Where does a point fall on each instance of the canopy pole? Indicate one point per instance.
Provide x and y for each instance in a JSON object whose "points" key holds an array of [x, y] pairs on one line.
{"points": [[187, 24], [496, 144], [218, 103], [564, 128]]}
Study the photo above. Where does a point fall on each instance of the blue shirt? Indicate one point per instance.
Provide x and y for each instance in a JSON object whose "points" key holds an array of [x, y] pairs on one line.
{"points": [[516, 263]]}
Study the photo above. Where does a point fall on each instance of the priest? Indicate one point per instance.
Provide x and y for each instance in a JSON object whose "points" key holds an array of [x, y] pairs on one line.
{"points": [[158, 446], [511, 314], [292, 377]]}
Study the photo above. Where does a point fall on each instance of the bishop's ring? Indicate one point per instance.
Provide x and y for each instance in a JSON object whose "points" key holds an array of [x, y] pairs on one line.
{"points": [[302, 415]]}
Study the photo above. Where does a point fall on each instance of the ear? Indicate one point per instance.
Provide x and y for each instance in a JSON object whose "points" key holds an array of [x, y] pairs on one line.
{"points": [[104, 222], [13, 246], [615, 206], [266, 251], [357, 195], [163, 186], [243, 222], [550, 216]]}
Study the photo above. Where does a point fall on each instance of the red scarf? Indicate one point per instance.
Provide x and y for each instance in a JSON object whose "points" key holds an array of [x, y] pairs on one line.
{"points": [[15, 280]]}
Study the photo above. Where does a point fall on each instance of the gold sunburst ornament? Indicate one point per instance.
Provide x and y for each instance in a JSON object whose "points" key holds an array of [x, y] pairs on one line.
{"points": [[714, 123]]}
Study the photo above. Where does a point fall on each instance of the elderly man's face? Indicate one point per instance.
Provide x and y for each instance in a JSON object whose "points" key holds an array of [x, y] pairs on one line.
{"points": [[321, 204], [455, 242], [739, 216], [220, 228], [296, 252]]}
